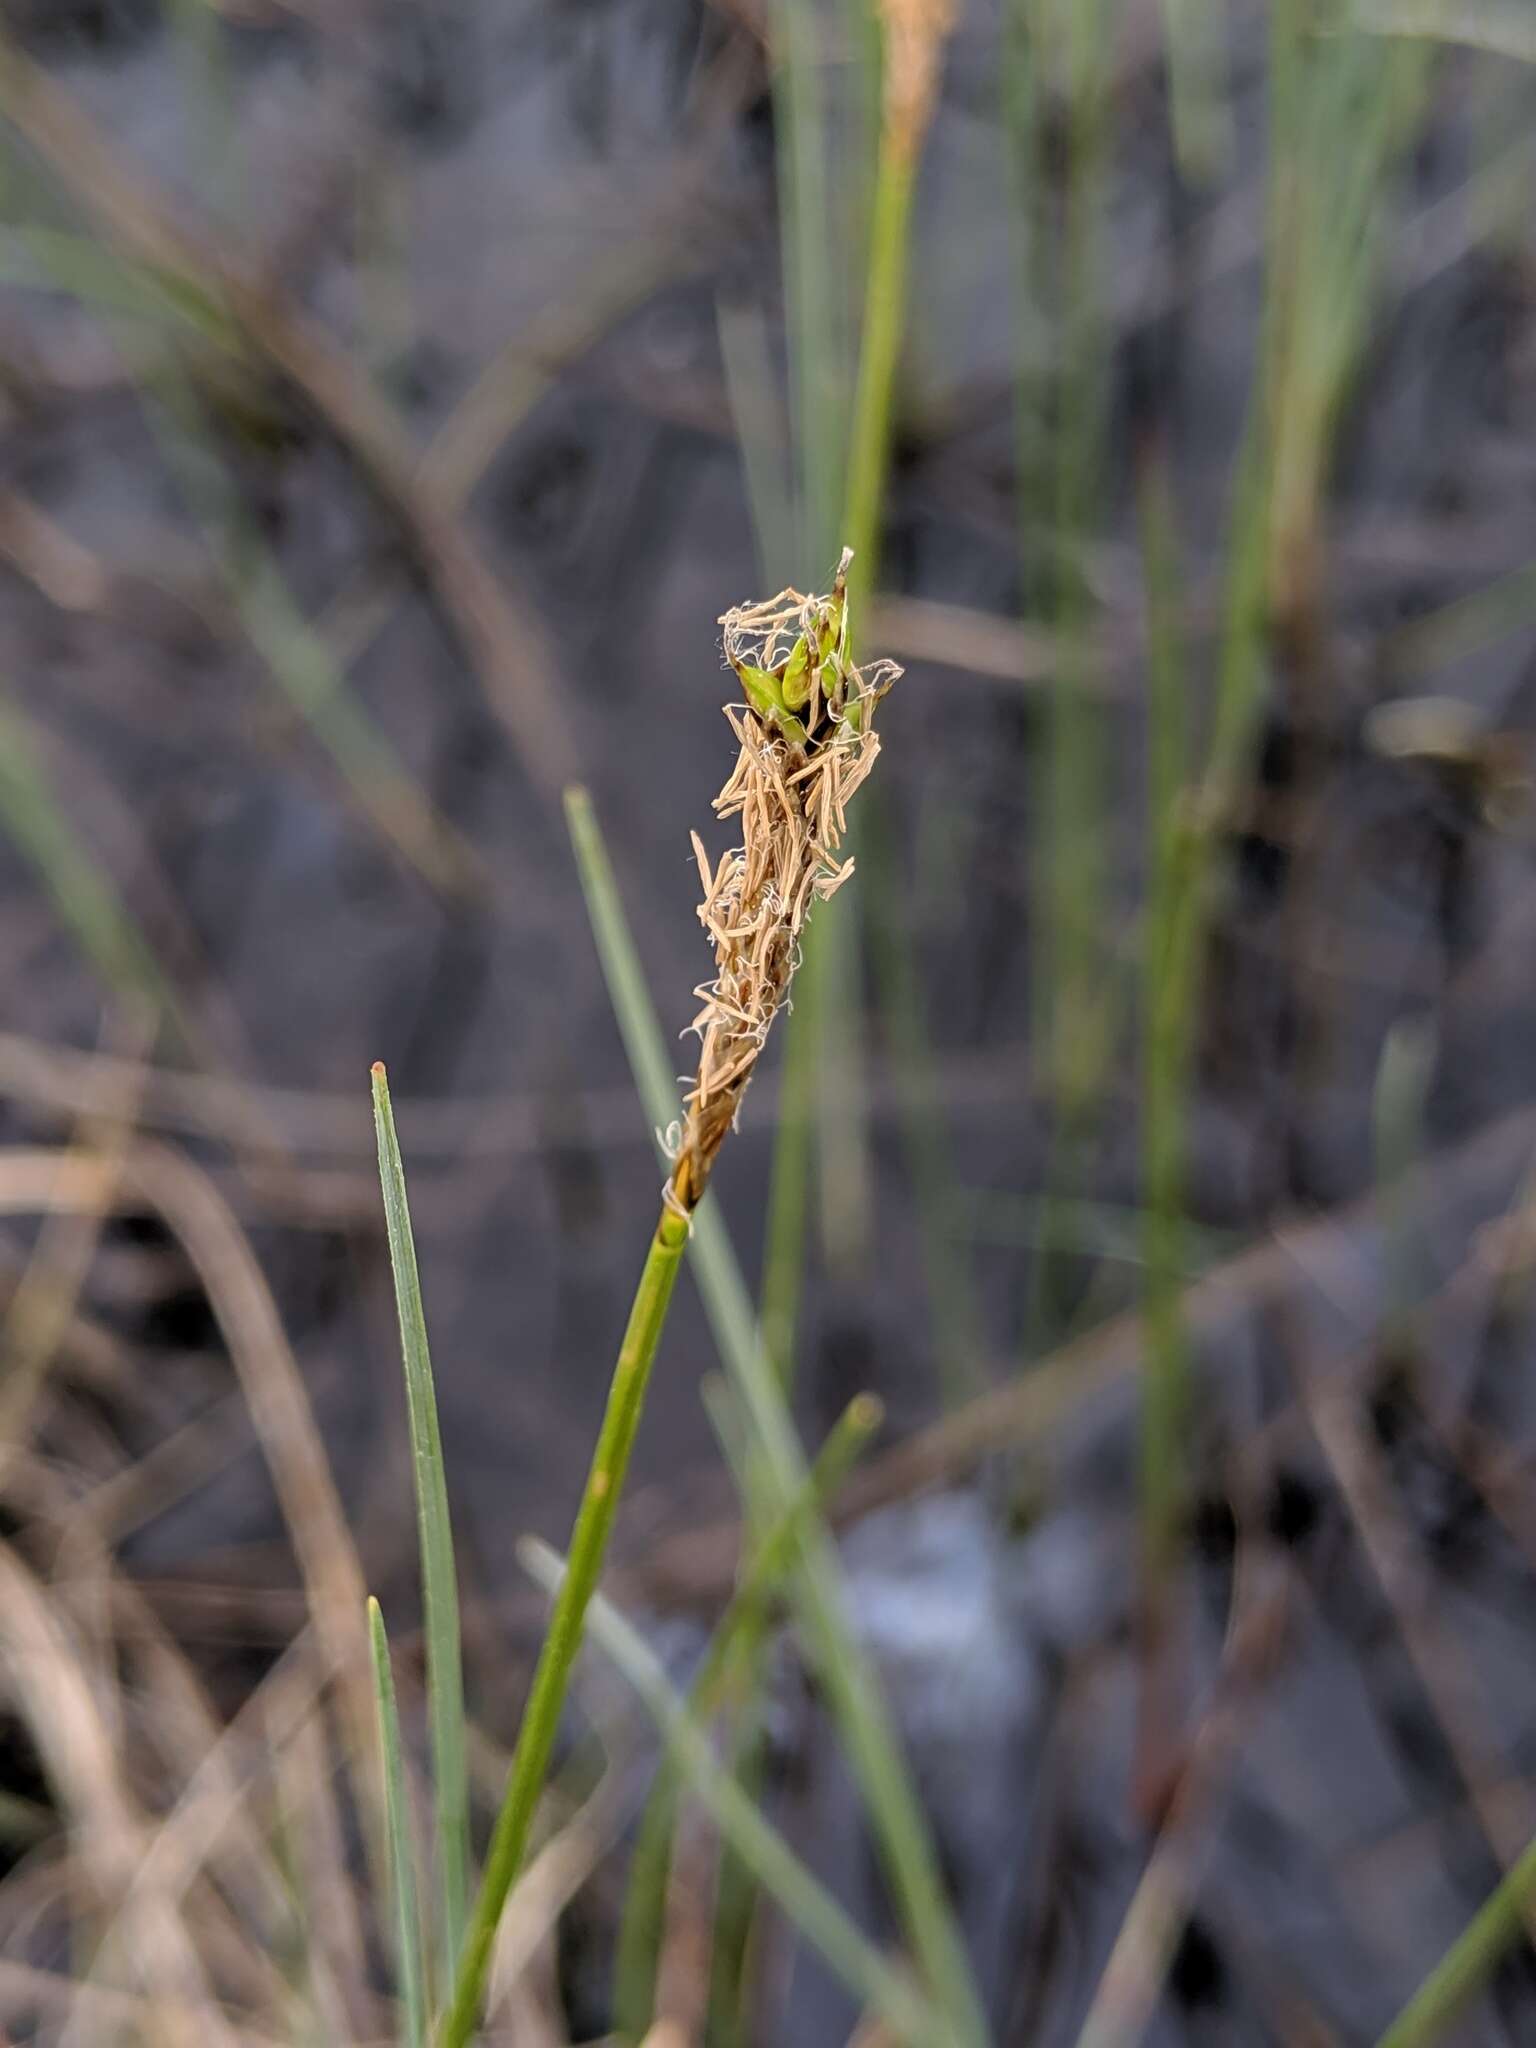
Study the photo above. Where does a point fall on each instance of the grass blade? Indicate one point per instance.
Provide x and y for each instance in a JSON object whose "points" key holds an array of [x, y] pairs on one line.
{"points": [[1169, 1005], [439, 1584], [557, 1658], [732, 1648], [813, 1909], [413, 1988], [81, 889], [1469, 1962]]}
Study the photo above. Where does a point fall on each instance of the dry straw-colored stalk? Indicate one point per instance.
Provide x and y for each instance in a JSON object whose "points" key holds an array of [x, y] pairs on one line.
{"points": [[915, 34], [806, 741]]}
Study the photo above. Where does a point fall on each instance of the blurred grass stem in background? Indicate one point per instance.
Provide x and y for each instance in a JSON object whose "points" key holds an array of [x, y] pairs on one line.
{"points": [[410, 1960]]}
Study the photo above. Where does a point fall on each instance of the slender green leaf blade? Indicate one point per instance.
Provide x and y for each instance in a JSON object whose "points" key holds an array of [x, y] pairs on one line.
{"points": [[1470, 1961], [413, 1988], [734, 1644], [809, 1905], [445, 1681]]}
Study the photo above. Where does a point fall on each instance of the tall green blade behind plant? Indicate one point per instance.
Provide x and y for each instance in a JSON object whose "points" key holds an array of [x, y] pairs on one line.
{"points": [[1168, 1008], [809, 1905], [1469, 1962], [1058, 79], [733, 1649], [439, 1584]]}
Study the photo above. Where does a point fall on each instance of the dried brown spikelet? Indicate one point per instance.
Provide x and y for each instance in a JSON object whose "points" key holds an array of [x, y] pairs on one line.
{"points": [[790, 787]]}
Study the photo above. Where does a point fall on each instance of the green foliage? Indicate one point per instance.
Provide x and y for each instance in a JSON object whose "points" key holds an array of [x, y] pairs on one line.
{"points": [[439, 1583]]}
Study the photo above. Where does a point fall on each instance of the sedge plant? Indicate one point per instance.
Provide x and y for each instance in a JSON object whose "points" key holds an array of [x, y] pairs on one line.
{"points": [[806, 741]]}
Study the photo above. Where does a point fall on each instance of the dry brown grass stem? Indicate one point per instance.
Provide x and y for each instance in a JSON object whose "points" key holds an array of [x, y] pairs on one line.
{"points": [[790, 789], [45, 1182], [46, 1675], [915, 34]]}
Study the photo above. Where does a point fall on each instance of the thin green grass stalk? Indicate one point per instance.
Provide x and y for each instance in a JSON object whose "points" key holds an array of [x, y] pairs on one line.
{"points": [[734, 1688], [730, 2020], [402, 1861], [838, 469], [434, 1529], [956, 1333], [1399, 1100], [1079, 809], [790, 1173], [1107, 1232], [1343, 108], [206, 91], [807, 1903], [952, 1310], [1169, 1007], [1315, 301], [1187, 804], [37, 258], [841, 1148], [762, 434], [733, 1949], [777, 520], [732, 1652], [955, 1330], [816, 208], [1466, 1966], [852, 1688], [1502, 28], [552, 1675], [885, 306], [295, 656], [821, 1104], [1063, 52], [1194, 38], [77, 883], [814, 280], [847, 1176], [1464, 627]]}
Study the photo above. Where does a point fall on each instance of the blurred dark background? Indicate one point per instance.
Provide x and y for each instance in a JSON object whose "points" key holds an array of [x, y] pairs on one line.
{"points": [[393, 399]]}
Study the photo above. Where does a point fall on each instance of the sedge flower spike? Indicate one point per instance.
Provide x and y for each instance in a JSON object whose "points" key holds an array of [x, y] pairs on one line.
{"points": [[806, 740]]}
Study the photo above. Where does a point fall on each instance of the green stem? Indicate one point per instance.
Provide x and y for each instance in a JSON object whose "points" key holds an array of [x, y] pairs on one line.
{"points": [[1169, 1006], [589, 1543], [413, 1991], [733, 1649], [809, 1905], [1469, 1962], [885, 300]]}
